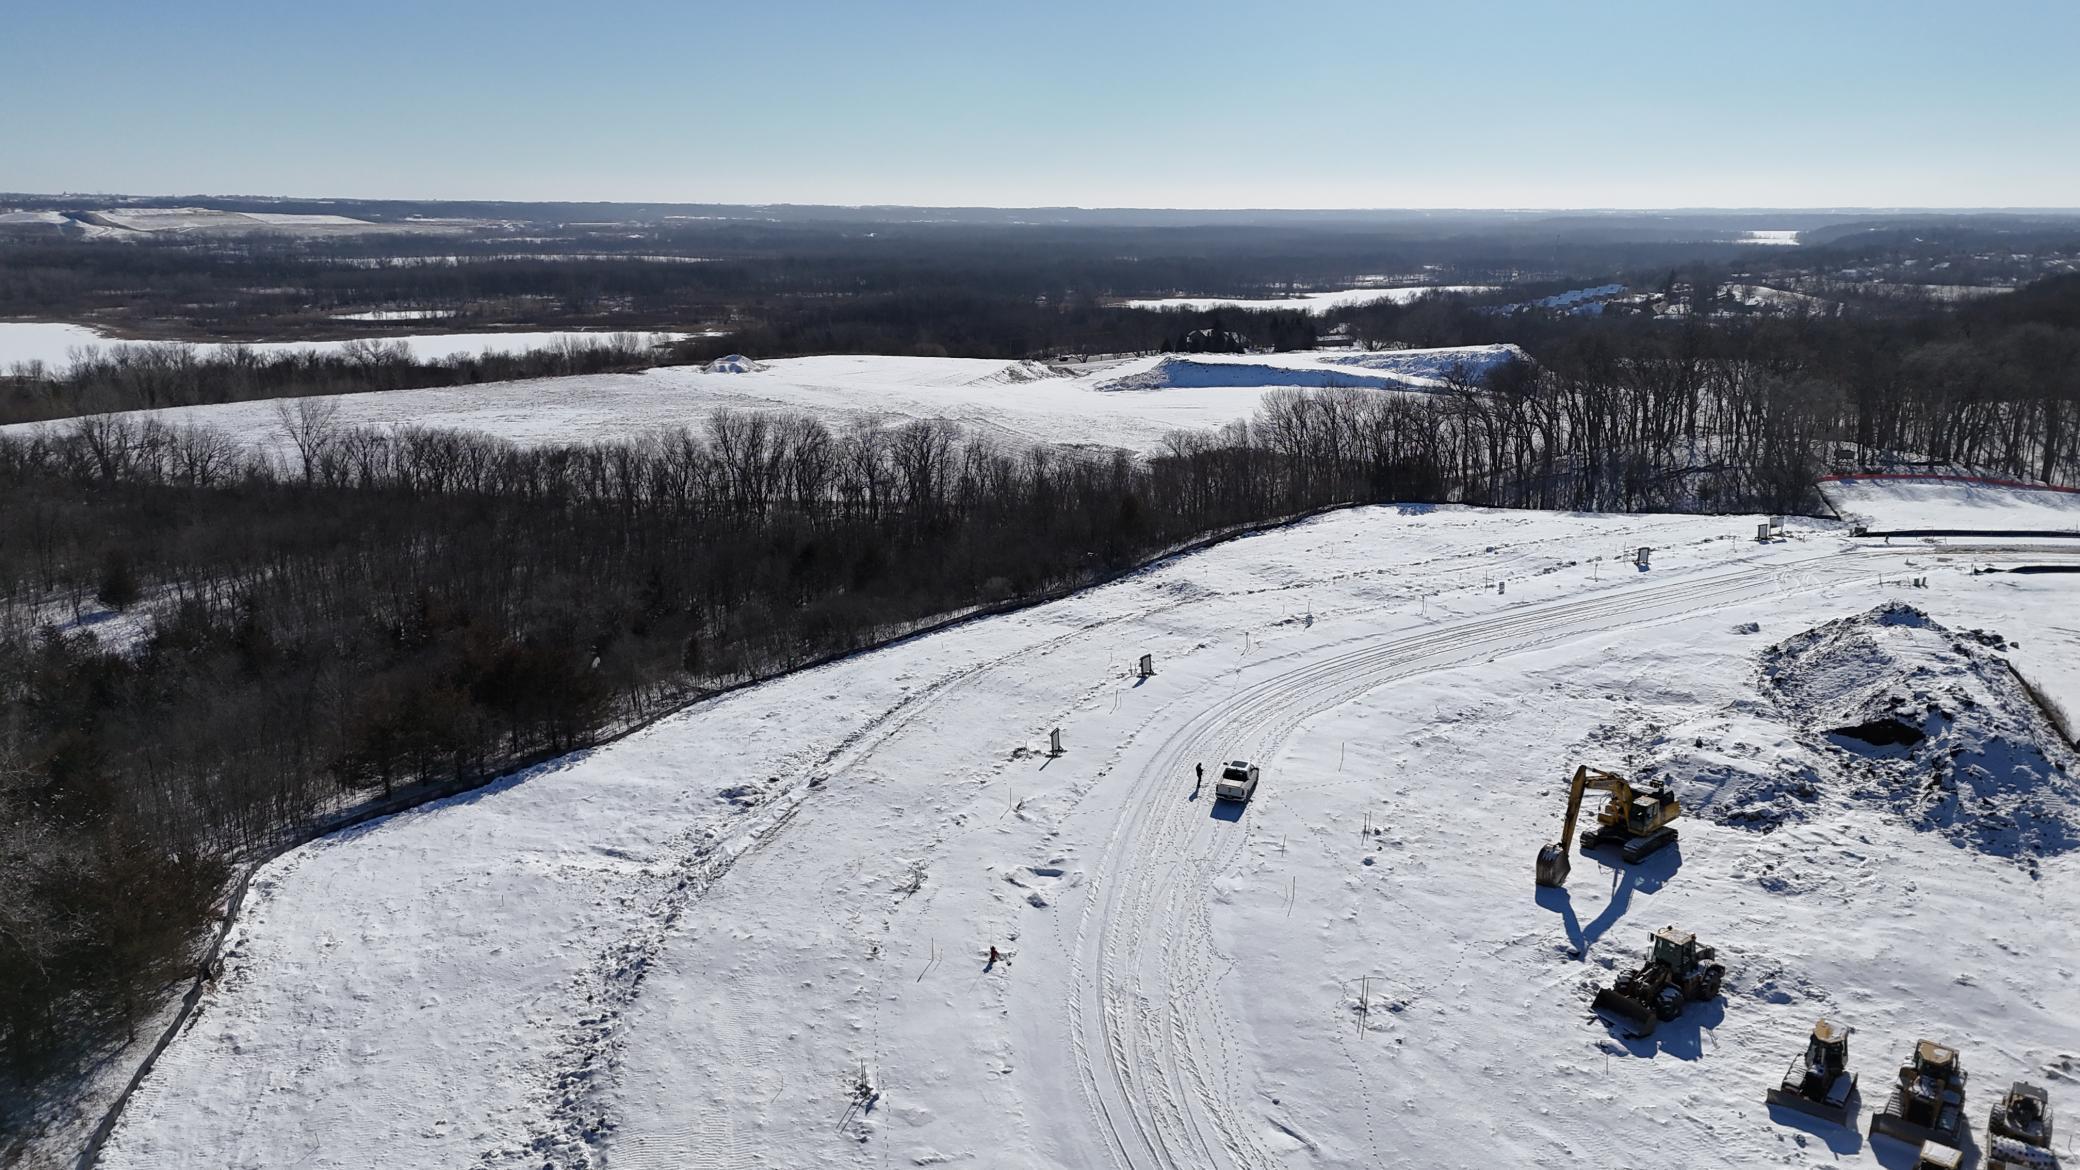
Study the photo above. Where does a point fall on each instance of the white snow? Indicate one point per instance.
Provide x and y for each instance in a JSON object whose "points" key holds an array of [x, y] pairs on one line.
{"points": [[131, 222], [52, 343], [1578, 301], [1773, 238], [756, 932], [1320, 302], [1952, 504], [1023, 401], [395, 315], [1764, 297]]}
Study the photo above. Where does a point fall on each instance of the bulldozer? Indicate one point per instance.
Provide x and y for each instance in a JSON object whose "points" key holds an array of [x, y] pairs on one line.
{"points": [[1820, 1083], [2018, 1130], [1677, 971], [1636, 819], [1927, 1103]]}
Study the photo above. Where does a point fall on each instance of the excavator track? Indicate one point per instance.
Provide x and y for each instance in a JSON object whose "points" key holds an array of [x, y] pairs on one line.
{"points": [[1639, 848]]}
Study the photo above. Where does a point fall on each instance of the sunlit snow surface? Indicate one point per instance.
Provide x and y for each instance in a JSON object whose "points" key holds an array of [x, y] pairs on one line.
{"points": [[688, 948], [1319, 302], [1892, 503], [1131, 404]]}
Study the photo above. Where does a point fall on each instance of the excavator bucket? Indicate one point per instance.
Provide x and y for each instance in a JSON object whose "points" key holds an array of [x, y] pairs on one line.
{"points": [[1628, 1015], [1552, 865]]}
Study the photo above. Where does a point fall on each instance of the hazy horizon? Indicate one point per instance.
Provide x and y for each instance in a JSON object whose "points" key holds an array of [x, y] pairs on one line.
{"points": [[1094, 208], [1516, 105]]}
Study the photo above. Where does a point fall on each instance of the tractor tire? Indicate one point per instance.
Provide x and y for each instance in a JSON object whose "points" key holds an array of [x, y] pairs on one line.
{"points": [[1669, 1004], [1708, 987]]}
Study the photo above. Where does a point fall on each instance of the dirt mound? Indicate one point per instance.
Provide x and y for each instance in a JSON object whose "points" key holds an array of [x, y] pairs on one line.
{"points": [[1887, 708], [1930, 722], [1018, 373]]}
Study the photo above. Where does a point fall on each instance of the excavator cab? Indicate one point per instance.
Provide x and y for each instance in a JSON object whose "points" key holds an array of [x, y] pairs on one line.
{"points": [[1635, 819], [1646, 813]]}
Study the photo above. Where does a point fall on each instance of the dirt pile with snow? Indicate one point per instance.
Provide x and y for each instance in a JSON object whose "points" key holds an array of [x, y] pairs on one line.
{"points": [[1886, 708], [1019, 373], [1931, 722]]}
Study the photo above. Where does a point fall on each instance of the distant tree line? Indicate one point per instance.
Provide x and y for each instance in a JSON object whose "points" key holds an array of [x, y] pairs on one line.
{"points": [[103, 379]]}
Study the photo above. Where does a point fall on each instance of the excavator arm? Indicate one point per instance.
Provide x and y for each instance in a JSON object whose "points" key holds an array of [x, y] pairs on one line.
{"points": [[1552, 859]]}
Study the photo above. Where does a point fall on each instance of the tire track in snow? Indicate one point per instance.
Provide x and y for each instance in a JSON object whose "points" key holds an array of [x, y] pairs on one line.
{"points": [[574, 1122], [1153, 1012]]}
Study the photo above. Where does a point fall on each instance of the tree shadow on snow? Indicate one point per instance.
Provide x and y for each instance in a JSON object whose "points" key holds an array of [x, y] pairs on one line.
{"points": [[413, 800], [1842, 1140]]}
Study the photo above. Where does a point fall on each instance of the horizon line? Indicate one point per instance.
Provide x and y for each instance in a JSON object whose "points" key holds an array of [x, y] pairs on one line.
{"points": [[1838, 209]]}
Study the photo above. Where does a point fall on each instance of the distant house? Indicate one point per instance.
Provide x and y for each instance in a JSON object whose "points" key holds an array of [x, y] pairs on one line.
{"points": [[1339, 337]]}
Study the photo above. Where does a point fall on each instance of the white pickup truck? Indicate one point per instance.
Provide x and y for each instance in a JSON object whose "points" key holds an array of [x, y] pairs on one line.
{"points": [[1238, 781]]}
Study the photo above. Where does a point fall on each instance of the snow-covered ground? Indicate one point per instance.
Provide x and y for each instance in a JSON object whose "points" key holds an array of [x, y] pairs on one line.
{"points": [[1130, 404], [1582, 301], [756, 933], [1759, 296], [395, 315], [53, 343], [136, 222], [1319, 302], [1888, 503]]}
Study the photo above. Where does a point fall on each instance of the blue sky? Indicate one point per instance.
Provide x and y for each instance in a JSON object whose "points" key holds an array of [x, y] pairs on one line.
{"points": [[1216, 104]]}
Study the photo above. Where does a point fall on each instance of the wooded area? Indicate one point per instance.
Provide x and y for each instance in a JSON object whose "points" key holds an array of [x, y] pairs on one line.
{"points": [[202, 652]]}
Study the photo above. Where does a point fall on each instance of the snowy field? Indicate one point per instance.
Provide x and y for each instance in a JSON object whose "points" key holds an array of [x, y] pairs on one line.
{"points": [[1320, 302], [755, 934], [1888, 504], [1130, 404], [53, 343], [130, 223]]}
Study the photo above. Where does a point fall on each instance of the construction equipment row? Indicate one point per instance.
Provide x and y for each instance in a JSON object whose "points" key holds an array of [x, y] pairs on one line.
{"points": [[1925, 1105]]}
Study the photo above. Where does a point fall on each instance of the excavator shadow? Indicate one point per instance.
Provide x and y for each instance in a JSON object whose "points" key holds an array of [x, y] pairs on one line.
{"points": [[1648, 875], [1842, 1140]]}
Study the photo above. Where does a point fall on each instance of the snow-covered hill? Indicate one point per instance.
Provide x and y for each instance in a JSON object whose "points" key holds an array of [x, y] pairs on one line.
{"points": [[1951, 503], [757, 933], [1024, 401]]}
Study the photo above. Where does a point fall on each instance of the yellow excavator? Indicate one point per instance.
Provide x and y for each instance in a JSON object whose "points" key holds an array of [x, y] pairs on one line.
{"points": [[1636, 819]]}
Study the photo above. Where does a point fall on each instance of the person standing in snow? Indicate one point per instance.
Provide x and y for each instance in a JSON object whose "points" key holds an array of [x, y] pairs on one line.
{"points": [[1200, 781]]}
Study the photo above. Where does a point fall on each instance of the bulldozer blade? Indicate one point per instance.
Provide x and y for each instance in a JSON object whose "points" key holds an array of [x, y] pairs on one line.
{"points": [[1552, 866], [1839, 1114], [1628, 1015]]}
